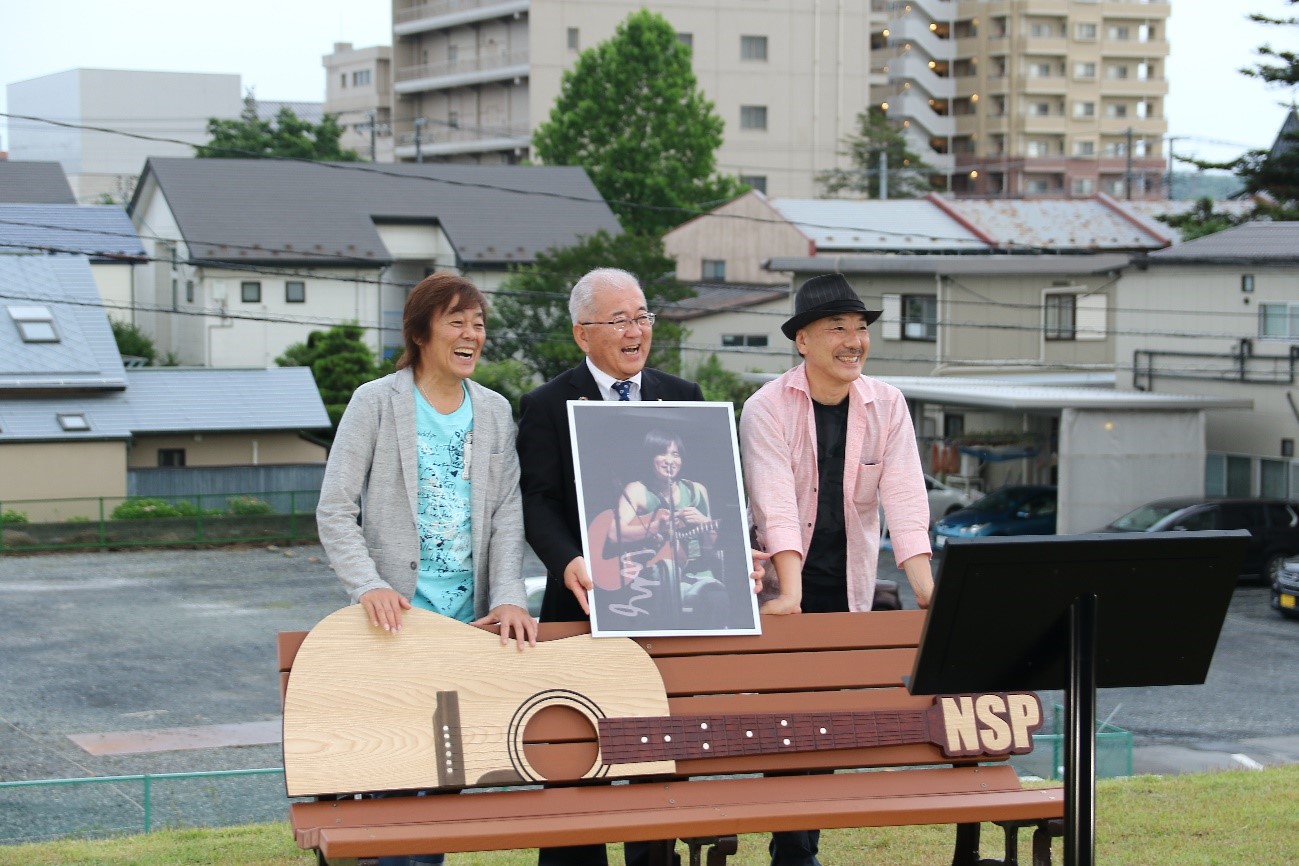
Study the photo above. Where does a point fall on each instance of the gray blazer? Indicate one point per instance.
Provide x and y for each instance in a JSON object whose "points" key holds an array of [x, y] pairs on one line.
{"points": [[372, 473]]}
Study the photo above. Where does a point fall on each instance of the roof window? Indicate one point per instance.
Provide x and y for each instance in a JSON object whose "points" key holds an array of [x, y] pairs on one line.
{"points": [[35, 324], [73, 421]]}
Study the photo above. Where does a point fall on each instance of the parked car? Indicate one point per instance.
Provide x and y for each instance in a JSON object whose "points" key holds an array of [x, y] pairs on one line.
{"points": [[945, 499], [1285, 589], [1027, 509], [1273, 526]]}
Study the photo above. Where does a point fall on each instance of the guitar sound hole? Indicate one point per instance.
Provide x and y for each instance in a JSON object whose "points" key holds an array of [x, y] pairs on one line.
{"points": [[560, 743]]}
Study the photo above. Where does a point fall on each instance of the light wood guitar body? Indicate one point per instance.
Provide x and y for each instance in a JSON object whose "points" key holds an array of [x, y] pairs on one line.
{"points": [[443, 705]]}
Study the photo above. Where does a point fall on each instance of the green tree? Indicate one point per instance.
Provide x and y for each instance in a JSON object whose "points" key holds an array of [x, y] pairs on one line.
{"points": [[132, 342], [630, 113], [287, 136], [530, 320], [1200, 220], [1271, 174], [723, 385], [908, 174], [510, 378], [339, 360]]}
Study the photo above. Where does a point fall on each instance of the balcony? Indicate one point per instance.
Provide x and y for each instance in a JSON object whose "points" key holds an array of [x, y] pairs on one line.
{"points": [[1134, 86], [488, 67], [1133, 48], [448, 141], [422, 17], [1038, 85]]}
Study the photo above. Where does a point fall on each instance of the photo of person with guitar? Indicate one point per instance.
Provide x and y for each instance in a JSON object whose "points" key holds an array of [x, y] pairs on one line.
{"points": [[667, 536], [663, 517]]}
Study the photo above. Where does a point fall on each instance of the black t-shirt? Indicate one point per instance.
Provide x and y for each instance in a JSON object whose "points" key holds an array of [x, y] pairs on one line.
{"points": [[825, 583]]}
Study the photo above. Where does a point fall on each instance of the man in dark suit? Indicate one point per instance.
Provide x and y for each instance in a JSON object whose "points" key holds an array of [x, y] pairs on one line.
{"points": [[613, 326]]}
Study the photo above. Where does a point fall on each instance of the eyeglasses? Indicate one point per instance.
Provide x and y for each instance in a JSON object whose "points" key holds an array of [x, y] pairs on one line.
{"points": [[644, 320]]}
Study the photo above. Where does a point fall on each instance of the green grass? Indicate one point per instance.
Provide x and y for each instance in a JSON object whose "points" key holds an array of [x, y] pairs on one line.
{"points": [[1206, 819]]}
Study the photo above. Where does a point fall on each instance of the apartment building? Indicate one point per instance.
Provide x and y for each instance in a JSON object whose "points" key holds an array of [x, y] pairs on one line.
{"points": [[474, 78], [1029, 98], [358, 89]]}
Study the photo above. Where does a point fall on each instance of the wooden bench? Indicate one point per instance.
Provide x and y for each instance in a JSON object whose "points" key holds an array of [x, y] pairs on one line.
{"points": [[842, 672]]}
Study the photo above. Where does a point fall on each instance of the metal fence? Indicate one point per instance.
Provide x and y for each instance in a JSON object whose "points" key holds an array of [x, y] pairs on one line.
{"points": [[141, 521], [96, 806]]}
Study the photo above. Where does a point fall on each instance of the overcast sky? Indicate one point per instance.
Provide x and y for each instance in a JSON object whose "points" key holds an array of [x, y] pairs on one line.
{"points": [[276, 46]]}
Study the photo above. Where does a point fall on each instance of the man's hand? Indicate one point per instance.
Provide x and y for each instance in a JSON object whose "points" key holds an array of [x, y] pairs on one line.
{"points": [[781, 605], [759, 557], [513, 620], [578, 582], [384, 607]]}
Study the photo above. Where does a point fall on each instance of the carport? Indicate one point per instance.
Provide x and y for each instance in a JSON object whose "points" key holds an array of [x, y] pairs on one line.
{"points": [[1114, 449]]}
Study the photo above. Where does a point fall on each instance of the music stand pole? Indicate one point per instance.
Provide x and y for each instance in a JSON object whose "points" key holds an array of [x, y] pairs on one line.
{"points": [[1080, 735]]}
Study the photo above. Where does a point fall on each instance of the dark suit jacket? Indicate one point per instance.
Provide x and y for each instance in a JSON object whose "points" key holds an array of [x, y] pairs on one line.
{"points": [[550, 515]]}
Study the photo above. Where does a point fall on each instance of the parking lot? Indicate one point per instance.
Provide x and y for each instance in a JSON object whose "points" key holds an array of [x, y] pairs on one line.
{"points": [[145, 640]]}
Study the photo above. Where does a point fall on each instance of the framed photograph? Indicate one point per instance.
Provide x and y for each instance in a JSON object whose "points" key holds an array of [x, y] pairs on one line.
{"points": [[664, 525]]}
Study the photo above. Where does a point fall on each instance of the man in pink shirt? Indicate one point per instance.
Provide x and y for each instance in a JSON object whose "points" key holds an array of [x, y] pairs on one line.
{"points": [[822, 448]]}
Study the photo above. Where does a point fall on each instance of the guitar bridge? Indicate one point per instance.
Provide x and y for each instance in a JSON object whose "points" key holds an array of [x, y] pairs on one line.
{"points": [[446, 731]]}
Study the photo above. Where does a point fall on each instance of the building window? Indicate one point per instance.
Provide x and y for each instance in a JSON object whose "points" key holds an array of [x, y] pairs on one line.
{"points": [[1039, 70], [295, 292], [713, 269], [746, 341], [1059, 317], [1084, 109], [1117, 72], [1116, 109], [1085, 30], [1247, 282], [1039, 109], [342, 80], [1083, 186], [687, 39], [755, 181], [1119, 32], [250, 293], [753, 48], [574, 39], [920, 317], [453, 53], [1084, 70], [1278, 321], [74, 422], [189, 291], [171, 457], [753, 117], [1084, 148], [361, 78], [35, 324]]}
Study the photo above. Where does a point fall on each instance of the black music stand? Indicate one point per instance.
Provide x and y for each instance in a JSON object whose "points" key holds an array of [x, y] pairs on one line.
{"points": [[1077, 612]]}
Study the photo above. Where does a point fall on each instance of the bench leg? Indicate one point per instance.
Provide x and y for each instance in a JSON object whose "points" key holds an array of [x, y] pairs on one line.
{"points": [[719, 848]]}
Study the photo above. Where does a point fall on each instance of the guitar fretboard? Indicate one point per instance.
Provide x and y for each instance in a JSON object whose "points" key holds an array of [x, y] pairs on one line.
{"points": [[632, 740]]}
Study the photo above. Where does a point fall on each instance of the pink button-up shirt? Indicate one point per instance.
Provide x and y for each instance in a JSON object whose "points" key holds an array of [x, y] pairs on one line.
{"points": [[881, 465]]}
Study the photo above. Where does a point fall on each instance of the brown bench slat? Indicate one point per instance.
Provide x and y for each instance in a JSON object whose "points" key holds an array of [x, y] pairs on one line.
{"points": [[786, 671], [586, 815], [828, 631], [825, 631]]}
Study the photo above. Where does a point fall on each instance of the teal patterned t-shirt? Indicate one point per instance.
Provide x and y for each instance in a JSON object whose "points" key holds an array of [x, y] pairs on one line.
{"points": [[446, 567]]}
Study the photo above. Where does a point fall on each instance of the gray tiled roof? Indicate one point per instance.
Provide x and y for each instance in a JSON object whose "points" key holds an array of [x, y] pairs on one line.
{"points": [[171, 399], [174, 400], [24, 182], [86, 356], [98, 231], [717, 297], [914, 225], [1259, 242], [273, 211]]}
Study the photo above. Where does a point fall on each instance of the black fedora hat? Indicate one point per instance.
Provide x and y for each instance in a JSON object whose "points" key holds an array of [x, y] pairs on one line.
{"points": [[824, 296]]}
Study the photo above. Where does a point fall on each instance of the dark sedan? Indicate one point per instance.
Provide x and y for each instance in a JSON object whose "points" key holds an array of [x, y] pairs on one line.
{"points": [[1273, 526]]}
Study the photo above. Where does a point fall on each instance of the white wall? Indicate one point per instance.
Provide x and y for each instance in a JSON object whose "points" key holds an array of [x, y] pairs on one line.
{"points": [[1112, 461]]}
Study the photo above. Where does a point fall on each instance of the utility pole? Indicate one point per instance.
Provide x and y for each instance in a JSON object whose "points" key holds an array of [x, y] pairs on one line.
{"points": [[419, 127], [373, 130], [1171, 162], [884, 175], [1127, 176]]}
